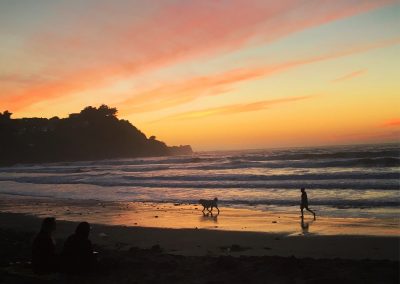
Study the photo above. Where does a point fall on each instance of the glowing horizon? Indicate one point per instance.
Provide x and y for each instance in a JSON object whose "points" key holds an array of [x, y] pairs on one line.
{"points": [[212, 74]]}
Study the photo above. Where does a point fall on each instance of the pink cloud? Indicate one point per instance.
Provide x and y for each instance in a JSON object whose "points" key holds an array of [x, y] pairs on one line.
{"points": [[233, 108], [350, 75], [101, 46], [182, 92]]}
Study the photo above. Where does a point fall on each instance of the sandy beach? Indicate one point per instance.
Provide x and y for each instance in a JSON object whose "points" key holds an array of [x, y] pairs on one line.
{"points": [[260, 232], [215, 242], [179, 233], [285, 221]]}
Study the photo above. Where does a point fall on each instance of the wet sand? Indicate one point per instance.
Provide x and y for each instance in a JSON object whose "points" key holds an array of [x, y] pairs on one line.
{"points": [[183, 229], [156, 255], [215, 242], [165, 243], [190, 216]]}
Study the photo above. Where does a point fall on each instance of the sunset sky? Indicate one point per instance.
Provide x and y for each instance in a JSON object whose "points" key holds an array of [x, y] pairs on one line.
{"points": [[213, 74]]}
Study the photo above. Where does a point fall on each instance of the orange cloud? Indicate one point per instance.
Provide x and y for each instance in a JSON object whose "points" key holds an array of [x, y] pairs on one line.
{"points": [[189, 90], [174, 94], [392, 123], [233, 109], [350, 75], [372, 136], [98, 48]]}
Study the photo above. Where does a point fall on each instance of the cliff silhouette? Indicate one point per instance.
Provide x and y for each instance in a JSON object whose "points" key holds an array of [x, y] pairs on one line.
{"points": [[92, 134]]}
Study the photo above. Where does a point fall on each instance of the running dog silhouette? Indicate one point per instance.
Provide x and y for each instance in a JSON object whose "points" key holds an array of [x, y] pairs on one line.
{"points": [[209, 204]]}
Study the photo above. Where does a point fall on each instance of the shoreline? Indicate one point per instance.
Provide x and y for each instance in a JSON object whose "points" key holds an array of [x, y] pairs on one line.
{"points": [[204, 242], [155, 255], [182, 229], [190, 216], [136, 254]]}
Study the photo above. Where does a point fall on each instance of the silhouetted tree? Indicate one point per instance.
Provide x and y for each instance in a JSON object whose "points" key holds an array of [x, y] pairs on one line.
{"points": [[107, 111], [5, 115], [94, 133]]}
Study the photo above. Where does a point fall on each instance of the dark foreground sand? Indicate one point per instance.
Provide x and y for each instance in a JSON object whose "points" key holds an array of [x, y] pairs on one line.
{"points": [[157, 255]]}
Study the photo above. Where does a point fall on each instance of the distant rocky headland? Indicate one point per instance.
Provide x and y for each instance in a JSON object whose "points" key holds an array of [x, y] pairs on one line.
{"points": [[92, 134]]}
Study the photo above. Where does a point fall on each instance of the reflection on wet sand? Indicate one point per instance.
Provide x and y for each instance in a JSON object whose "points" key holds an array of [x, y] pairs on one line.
{"points": [[305, 226], [178, 216], [209, 217]]}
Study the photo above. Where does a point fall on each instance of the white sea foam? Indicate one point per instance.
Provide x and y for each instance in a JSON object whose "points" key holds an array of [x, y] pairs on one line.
{"points": [[336, 177]]}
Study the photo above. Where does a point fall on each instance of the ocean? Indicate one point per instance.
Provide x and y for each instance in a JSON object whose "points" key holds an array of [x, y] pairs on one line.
{"points": [[341, 181]]}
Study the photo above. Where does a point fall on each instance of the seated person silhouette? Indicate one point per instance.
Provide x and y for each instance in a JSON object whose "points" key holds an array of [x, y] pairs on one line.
{"points": [[304, 203], [44, 259], [78, 256]]}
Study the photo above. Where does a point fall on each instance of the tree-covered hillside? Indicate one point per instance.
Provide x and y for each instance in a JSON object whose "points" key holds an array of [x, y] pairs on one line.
{"points": [[92, 134]]}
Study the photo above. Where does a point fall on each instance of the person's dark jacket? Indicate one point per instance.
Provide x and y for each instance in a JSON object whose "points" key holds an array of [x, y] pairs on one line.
{"points": [[78, 254], [44, 254]]}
